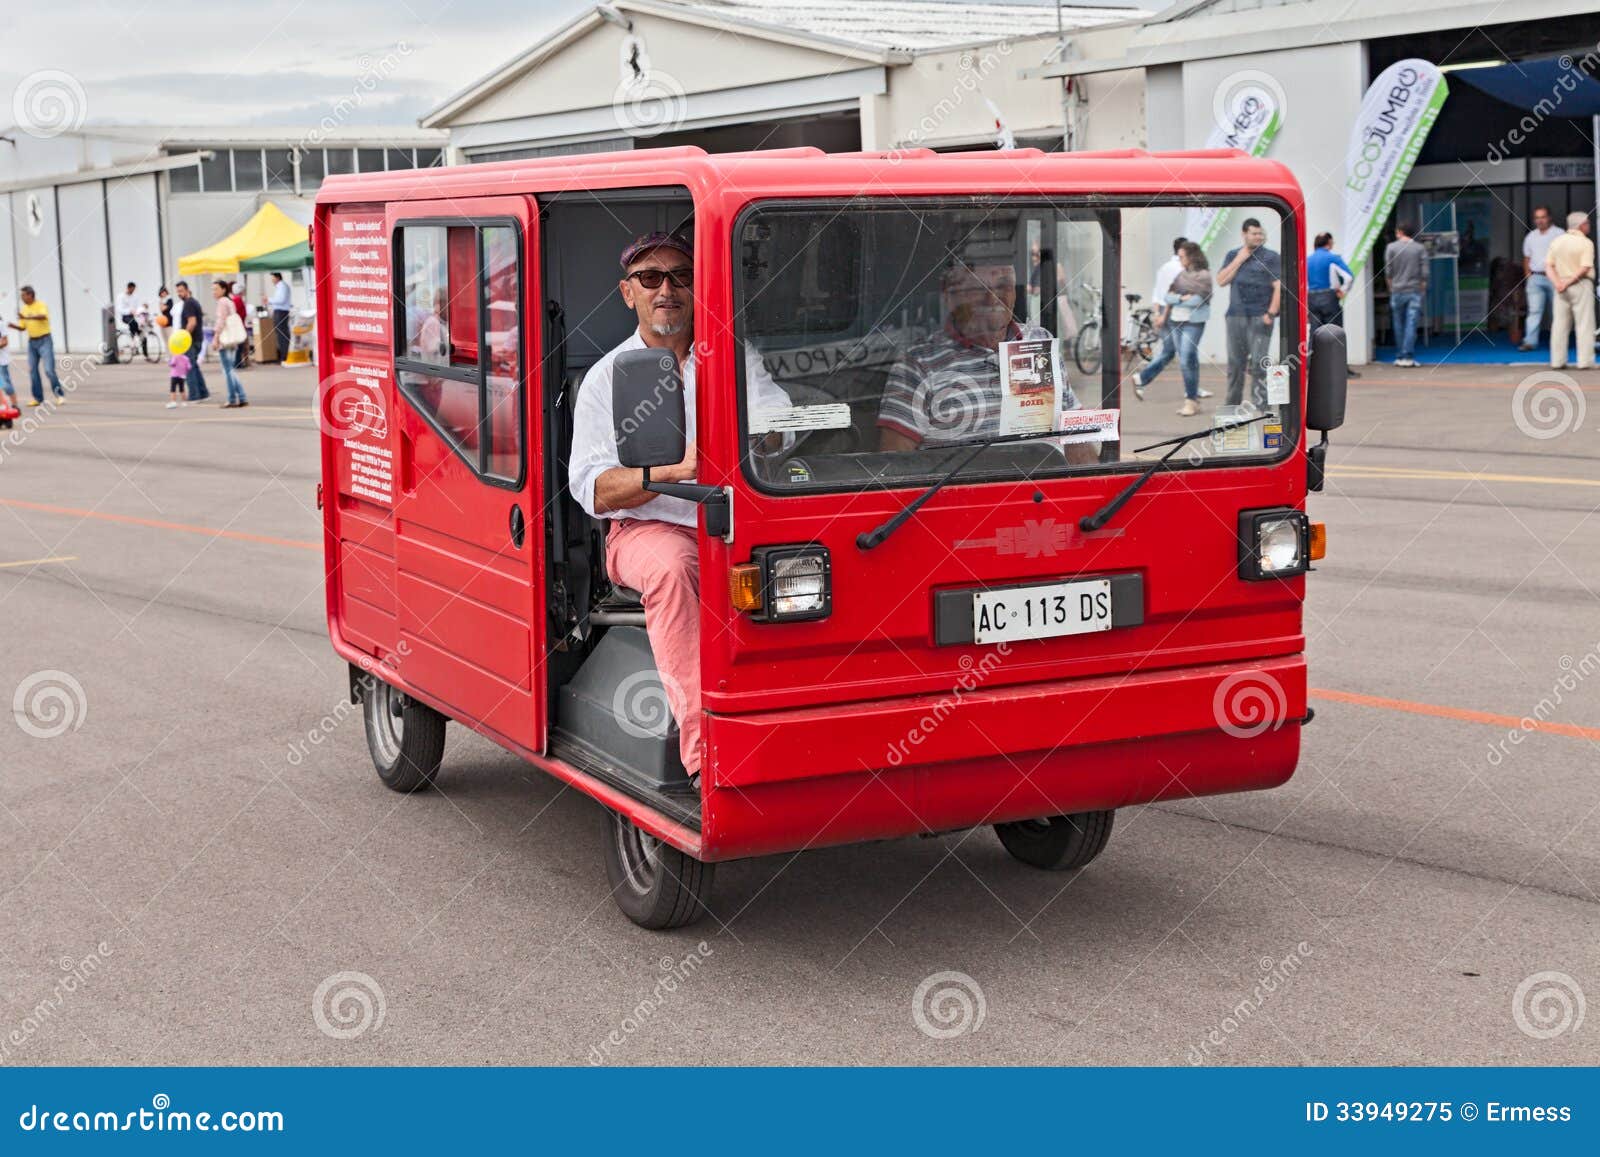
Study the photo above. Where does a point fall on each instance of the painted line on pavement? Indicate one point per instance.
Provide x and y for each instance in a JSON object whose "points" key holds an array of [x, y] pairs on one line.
{"points": [[158, 524], [40, 561], [1459, 714], [1424, 474]]}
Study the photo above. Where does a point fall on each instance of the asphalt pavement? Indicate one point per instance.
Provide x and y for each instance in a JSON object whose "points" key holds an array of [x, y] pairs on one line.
{"points": [[199, 866]]}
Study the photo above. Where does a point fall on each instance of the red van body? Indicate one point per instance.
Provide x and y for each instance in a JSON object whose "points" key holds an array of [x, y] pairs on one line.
{"points": [[858, 726]]}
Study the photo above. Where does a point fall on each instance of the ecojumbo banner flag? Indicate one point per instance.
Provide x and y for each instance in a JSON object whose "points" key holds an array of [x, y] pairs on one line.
{"points": [[1396, 114], [1247, 115]]}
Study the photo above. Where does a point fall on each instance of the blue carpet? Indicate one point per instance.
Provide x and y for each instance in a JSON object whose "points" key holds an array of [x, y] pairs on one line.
{"points": [[1475, 349]]}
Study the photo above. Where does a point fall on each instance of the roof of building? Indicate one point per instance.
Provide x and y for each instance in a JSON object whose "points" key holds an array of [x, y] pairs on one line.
{"points": [[879, 31], [267, 135], [909, 25]]}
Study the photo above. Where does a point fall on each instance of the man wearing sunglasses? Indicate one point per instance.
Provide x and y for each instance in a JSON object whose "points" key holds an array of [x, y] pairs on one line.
{"points": [[651, 544]]}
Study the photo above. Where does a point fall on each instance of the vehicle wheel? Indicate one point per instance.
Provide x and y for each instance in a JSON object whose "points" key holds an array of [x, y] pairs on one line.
{"points": [[1086, 349], [406, 738], [1057, 843], [654, 884]]}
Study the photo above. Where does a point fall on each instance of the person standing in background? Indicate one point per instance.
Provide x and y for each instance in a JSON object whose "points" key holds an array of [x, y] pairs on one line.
{"points": [[1569, 263], [1535, 248], [1160, 315], [192, 318], [1325, 300], [1405, 265], [281, 302], [229, 330], [33, 319], [1256, 274], [241, 353]]}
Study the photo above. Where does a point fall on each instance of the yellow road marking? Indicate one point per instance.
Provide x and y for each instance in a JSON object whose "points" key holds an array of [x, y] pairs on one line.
{"points": [[1406, 472], [40, 561]]}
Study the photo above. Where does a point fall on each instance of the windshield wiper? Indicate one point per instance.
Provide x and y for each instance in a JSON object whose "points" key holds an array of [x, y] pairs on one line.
{"points": [[866, 540], [1092, 522]]}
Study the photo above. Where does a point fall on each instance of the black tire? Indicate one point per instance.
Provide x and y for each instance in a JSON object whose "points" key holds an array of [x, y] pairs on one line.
{"points": [[406, 738], [1057, 843], [1086, 348], [654, 884]]}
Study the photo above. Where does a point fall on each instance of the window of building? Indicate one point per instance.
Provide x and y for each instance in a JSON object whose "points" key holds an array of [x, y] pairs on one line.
{"points": [[371, 160], [429, 158], [313, 168], [184, 180], [216, 172], [459, 339], [247, 171], [401, 159], [340, 161], [280, 169]]}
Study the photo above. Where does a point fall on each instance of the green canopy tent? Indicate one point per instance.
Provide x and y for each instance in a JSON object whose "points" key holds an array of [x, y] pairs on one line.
{"points": [[296, 256]]}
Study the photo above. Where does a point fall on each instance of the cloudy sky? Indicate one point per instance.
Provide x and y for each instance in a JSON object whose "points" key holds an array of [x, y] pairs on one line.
{"points": [[283, 62]]}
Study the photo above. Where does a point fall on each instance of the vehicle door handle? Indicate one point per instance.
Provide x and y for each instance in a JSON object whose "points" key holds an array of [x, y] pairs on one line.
{"points": [[519, 527]]}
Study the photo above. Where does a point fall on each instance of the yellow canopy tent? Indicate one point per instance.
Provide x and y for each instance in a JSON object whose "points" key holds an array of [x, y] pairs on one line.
{"points": [[269, 230]]}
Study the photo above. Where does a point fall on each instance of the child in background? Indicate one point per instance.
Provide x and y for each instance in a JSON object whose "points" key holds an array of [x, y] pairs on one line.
{"points": [[5, 375], [178, 368]]}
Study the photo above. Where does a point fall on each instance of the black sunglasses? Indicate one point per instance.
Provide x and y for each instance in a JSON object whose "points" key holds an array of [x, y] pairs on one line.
{"points": [[652, 278]]}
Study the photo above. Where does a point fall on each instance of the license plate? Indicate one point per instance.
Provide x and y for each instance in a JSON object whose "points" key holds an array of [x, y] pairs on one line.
{"points": [[1041, 612]]}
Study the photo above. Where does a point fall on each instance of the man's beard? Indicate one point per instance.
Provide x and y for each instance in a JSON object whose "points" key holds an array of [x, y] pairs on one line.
{"points": [[668, 330]]}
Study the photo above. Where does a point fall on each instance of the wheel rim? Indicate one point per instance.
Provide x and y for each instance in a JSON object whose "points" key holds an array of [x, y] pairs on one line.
{"points": [[638, 852], [385, 727]]}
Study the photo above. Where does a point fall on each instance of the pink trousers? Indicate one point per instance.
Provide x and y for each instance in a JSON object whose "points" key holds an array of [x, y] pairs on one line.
{"points": [[661, 560]]}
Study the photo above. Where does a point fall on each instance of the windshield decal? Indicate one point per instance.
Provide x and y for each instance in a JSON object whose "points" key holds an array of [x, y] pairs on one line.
{"points": [[1091, 426], [781, 419]]}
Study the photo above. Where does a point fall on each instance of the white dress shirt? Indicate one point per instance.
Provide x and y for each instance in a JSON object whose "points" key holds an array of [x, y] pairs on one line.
{"points": [[594, 436], [281, 297], [127, 304], [1165, 276]]}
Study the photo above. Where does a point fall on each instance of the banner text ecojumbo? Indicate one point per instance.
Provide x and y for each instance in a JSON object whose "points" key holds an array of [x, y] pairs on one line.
{"points": [[1396, 114]]}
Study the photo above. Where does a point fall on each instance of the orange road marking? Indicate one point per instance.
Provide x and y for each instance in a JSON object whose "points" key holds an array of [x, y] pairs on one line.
{"points": [[1460, 714], [158, 524]]}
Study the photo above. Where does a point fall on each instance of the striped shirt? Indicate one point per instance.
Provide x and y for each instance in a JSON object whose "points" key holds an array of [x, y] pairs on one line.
{"points": [[947, 389]]}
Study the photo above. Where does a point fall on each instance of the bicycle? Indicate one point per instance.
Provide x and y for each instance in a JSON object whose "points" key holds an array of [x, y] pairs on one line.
{"points": [[1138, 339], [144, 344]]}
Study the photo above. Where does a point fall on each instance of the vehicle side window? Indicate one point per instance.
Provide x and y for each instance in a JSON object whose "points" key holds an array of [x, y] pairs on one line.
{"points": [[458, 350]]}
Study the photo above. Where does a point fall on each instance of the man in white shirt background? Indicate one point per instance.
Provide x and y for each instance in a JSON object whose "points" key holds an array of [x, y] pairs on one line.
{"points": [[281, 302], [128, 310], [652, 544], [1535, 247]]}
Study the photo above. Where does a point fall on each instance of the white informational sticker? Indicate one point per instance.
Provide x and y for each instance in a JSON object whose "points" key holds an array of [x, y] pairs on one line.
{"points": [[1031, 377], [1241, 438], [1278, 385], [780, 419], [1091, 426]]}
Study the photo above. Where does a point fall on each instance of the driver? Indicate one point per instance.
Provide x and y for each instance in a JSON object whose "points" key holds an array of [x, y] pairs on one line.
{"points": [[652, 544], [946, 388]]}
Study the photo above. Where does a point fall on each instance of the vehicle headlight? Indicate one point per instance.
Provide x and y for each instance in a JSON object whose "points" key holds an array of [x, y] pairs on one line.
{"points": [[784, 583], [1273, 544]]}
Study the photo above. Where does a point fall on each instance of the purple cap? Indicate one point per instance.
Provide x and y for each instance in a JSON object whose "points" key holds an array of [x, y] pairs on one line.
{"points": [[657, 240]]}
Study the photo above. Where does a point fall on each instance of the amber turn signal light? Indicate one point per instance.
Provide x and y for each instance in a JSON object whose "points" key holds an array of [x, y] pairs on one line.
{"points": [[1319, 540], [744, 586]]}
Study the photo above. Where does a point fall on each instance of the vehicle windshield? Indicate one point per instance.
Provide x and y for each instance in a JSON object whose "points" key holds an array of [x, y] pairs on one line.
{"points": [[897, 328]]}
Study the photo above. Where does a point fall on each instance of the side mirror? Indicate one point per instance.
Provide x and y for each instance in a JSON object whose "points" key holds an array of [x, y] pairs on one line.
{"points": [[1329, 379], [647, 408]]}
